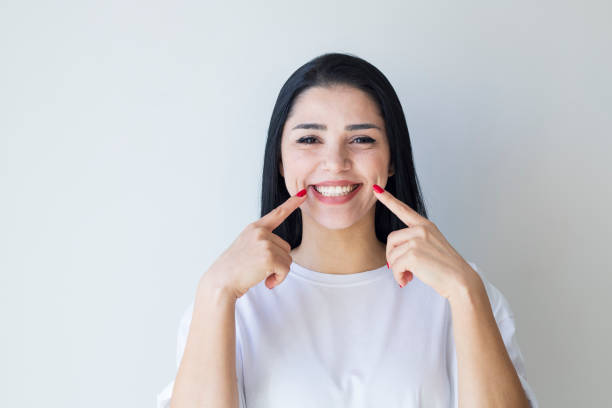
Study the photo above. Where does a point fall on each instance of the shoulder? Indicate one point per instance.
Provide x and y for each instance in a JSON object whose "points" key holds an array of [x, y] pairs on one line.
{"points": [[499, 304], [186, 315], [183, 326]]}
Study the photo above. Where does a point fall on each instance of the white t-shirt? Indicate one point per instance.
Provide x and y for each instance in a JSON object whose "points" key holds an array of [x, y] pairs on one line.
{"points": [[355, 340]]}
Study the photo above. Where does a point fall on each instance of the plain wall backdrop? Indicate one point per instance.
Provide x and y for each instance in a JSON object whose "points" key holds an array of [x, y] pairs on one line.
{"points": [[131, 146]]}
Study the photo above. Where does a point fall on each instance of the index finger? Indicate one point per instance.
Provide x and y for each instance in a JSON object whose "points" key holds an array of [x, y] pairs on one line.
{"points": [[275, 217], [399, 208]]}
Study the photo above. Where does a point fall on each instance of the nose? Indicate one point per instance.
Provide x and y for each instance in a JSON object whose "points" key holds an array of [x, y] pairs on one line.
{"points": [[336, 159]]}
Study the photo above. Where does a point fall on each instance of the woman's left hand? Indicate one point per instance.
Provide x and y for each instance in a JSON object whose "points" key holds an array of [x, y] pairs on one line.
{"points": [[422, 250]]}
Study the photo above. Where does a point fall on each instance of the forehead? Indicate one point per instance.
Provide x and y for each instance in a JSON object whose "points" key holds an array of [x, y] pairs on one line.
{"points": [[337, 104]]}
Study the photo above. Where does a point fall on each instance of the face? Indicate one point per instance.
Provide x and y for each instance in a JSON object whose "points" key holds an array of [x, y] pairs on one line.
{"points": [[321, 145]]}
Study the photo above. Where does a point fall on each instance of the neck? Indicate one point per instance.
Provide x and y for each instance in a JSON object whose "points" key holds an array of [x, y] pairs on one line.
{"points": [[340, 251]]}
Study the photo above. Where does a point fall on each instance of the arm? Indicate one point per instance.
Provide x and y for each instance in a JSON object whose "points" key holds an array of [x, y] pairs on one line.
{"points": [[207, 374], [486, 375]]}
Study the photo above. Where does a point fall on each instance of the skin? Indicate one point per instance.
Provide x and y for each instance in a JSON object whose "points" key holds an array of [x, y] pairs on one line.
{"points": [[486, 375], [334, 154]]}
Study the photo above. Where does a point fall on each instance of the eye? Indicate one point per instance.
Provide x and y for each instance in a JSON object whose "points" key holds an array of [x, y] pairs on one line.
{"points": [[366, 138], [312, 139], [304, 139]]}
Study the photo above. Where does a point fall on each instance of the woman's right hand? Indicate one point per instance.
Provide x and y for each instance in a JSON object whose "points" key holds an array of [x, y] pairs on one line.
{"points": [[256, 254]]}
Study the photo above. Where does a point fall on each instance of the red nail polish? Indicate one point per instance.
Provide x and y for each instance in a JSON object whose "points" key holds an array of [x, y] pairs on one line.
{"points": [[378, 188], [301, 193], [387, 264]]}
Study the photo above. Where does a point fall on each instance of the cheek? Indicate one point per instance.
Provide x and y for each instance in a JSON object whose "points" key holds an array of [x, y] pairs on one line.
{"points": [[297, 167], [374, 162]]}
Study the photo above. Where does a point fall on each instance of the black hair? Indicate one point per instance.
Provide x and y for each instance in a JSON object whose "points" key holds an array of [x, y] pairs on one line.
{"points": [[342, 69]]}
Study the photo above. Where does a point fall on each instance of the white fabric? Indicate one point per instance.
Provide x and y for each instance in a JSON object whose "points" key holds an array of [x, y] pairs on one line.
{"points": [[355, 340]]}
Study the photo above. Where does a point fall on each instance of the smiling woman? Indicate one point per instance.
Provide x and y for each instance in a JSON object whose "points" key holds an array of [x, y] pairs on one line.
{"points": [[349, 150], [338, 117], [342, 225]]}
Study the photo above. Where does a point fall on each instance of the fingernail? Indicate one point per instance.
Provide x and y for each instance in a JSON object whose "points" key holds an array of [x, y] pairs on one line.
{"points": [[387, 264], [301, 193], [378, 188]]}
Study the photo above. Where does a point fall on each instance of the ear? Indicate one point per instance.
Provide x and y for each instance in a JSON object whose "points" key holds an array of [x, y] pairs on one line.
{"points": [[280, 165]]}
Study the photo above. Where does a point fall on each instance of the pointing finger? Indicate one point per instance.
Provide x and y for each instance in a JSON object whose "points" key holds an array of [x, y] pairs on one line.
{"points": [[399, 208], [276, 217]]}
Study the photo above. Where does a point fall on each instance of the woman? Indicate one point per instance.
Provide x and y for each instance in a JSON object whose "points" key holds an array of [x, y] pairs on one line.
{"points": [[339, 329]]}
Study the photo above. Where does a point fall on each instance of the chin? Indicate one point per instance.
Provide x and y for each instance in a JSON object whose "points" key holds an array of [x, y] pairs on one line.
{"points": [[334, 222]]}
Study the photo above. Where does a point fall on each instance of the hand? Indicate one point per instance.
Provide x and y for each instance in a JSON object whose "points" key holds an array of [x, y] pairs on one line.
{"points": [[422, 250], [256, 254]]}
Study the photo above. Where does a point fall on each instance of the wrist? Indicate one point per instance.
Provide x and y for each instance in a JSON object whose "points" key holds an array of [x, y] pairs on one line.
{"points": [[211, 287], [469, 288]]}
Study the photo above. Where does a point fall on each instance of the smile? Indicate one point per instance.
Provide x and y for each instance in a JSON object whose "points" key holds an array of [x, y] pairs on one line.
{"points": [[335, 194], [335, 191]]}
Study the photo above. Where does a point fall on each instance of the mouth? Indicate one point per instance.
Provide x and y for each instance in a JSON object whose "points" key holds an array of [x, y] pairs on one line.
{"points": [[335, 191]]}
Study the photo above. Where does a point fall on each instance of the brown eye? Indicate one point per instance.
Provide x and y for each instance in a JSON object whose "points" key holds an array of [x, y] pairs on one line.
{"points": [[312, 139], [304, 139], [366, 138]]}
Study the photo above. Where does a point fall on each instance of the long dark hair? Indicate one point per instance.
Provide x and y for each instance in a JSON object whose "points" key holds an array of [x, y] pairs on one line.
{"points": [[342, 69]]}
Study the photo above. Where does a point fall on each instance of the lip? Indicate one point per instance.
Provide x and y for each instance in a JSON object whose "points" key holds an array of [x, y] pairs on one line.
{"points": [[334, 200], [335, 183]]}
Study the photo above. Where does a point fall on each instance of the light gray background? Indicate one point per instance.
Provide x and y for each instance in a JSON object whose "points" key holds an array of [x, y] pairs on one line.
{"points": [[131, 148]]}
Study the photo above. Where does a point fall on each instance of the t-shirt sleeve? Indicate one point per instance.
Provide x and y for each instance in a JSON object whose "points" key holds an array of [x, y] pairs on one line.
{"points": [[163, 398], [506, 323]]}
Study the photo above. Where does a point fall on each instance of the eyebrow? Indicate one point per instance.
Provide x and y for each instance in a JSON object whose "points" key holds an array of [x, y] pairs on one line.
{"points": [[317, 126]]}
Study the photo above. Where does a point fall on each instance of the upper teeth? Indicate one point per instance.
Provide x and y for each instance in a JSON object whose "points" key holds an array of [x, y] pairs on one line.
{"points": [[335, 190]]}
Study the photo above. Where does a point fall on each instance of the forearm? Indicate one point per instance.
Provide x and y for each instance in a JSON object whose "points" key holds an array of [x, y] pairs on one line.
{"points": [[207, 374], [486, 375]]}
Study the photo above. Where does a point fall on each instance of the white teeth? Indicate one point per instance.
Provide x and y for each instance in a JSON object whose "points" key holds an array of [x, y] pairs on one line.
{"points": [[333, 191]]}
